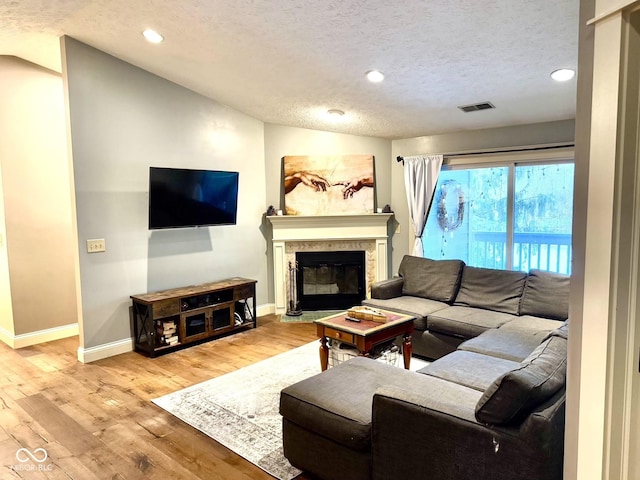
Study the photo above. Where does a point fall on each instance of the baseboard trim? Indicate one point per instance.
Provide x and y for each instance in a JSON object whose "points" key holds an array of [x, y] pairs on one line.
{"points": [[33, 338], [6, 337], [267, 309], [92, 354]]}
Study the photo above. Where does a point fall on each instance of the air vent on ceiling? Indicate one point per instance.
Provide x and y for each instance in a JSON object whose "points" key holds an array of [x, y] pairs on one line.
{"points": [[477, 106]]}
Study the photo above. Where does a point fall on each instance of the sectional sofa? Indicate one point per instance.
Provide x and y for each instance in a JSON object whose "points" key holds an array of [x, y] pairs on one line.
{"points": [[453, 302], [491, 405]]}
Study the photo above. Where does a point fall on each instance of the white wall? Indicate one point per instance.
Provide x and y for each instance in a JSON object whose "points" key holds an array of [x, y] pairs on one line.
{"points": [[36, 248], [558, 132], [281, 141], [124, 120], [602, 400], [7, 330]]}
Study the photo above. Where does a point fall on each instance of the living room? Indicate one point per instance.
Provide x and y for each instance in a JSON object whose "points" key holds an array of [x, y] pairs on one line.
{"points": [[112, 151]]}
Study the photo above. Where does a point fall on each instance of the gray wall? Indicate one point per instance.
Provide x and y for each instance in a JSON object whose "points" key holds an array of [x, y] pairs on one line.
{"points": [[281, 141], [123, 120], [549, 133]]}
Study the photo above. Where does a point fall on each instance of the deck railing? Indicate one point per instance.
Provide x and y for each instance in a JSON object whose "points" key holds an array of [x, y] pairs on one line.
{"points": [[544, 251]]}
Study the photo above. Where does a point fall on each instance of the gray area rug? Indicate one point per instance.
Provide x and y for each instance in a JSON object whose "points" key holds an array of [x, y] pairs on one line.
{"points": [[308, 316], [240, 409]]}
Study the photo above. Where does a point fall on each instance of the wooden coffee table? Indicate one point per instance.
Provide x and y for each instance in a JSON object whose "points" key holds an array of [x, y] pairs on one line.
{"points": [[364, 335]]}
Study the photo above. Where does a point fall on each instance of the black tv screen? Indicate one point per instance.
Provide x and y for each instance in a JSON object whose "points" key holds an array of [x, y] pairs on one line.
{"points": [[180, 197]]}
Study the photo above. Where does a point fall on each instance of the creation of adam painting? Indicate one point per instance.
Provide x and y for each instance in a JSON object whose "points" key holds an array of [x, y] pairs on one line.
{"points": [[329, 184]]}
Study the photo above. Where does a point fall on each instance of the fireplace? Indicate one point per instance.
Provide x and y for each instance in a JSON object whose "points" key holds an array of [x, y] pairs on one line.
{"points": [[332, 280], [294, 234]]}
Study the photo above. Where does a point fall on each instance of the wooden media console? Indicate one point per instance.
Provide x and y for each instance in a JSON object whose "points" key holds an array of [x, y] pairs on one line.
{"points": [[170, 319]]}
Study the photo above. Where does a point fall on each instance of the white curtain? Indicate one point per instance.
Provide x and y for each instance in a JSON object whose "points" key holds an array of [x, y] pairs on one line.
{"points": [[420, 177]]}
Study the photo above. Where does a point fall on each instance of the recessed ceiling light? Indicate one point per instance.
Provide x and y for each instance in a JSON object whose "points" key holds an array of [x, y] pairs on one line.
{"points": [[334, 112], [375, 76], [563, 74], [152, 36]]}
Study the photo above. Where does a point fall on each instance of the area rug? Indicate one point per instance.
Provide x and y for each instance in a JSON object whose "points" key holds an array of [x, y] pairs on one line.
{"points": [[308, 316], [240, 409]]}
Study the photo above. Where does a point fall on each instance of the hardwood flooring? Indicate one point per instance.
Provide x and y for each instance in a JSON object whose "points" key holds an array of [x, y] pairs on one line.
{"points": [[96, 421]]}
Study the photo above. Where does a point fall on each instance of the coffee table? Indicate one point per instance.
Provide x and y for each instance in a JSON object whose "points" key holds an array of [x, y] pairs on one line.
{"points": [[364, 335]]}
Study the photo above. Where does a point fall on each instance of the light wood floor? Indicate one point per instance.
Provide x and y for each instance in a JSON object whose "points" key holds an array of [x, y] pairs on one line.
{"points": [[96, 421]]}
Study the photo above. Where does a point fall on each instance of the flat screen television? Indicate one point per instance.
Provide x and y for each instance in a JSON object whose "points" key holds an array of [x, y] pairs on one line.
{"points": [[181, 198]]}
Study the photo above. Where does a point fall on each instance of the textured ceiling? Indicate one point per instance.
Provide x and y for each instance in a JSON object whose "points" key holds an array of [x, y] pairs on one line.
{"points": [[287, 62]]}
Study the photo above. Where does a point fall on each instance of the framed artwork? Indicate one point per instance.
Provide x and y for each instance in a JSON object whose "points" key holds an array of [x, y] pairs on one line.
{"points": [[328, 184]]}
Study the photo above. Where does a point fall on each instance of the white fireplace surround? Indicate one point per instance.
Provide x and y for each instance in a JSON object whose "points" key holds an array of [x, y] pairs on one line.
{"points": [[295, 233]]}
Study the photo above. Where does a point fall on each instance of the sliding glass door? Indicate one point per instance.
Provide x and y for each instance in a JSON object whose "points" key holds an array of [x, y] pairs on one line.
{"points": [[510, 216]]}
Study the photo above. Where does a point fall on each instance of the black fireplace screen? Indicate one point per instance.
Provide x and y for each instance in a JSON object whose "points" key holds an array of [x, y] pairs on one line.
{"points": [[330, 280]]}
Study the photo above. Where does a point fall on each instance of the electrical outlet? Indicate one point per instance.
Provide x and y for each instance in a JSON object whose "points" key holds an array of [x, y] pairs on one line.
{"points": [[96, 245]]}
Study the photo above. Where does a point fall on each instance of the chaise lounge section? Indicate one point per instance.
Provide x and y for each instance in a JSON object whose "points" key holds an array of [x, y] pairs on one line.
{"points": [[491, 408]]}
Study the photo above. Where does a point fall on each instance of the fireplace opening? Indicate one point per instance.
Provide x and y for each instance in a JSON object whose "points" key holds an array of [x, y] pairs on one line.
{"points": [[332, 280]]}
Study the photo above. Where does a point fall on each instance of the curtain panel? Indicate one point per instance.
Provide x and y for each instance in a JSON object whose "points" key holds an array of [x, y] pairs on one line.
{"points": [[420, 178]]}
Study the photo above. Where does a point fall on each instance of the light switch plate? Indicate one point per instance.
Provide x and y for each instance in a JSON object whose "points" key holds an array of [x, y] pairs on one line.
{"points": [[96, 245]]}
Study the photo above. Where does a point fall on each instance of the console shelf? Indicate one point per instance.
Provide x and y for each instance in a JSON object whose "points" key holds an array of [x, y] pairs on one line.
{"points": [[171, 319]]}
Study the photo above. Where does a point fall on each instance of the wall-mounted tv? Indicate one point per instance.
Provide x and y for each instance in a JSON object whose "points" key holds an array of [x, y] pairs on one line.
{"points": [[180, 198]]}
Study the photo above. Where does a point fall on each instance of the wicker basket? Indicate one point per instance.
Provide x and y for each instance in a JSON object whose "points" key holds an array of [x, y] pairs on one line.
{"points": [[341, 352]]}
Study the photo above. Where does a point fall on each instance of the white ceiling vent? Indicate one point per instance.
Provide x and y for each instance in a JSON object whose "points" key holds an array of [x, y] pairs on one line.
{"points": [[476, 106]]}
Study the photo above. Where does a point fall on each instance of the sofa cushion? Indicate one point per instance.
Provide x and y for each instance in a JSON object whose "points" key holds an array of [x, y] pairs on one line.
{"points": [[546, 294], [414, 306], [512, 396], [470, 369], [432, 345], [465, 322], [511, 345], [434, 279], [336, 404], [498, 290], [390, 288], [562, 331], [529, 324]]}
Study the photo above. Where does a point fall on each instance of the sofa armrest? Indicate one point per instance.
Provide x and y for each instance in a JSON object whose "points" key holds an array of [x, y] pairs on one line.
{"points": [[386, 289], [417, 435]]}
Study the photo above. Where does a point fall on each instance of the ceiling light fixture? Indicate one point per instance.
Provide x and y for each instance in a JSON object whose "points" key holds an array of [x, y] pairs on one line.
{"points": [[334, 112], [152, 36], [563, 74], [476, 107], [374, 76]]}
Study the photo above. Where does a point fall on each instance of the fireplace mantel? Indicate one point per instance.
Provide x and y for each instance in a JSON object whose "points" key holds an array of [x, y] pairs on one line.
{"points": [[326, 230], [329, 227]]}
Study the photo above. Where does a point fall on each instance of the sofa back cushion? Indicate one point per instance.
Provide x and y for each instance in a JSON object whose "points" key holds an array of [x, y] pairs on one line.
{"points": [[546, 295], [562, 331], [433, 279], [498, 290], [512, 396]]}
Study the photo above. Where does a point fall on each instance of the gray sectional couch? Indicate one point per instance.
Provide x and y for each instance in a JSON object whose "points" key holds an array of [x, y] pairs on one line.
{"points": [[491, 406], [453, 302]]}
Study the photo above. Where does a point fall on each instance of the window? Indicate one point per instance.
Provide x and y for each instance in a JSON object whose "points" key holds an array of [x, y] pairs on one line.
{"points": [[509, 215]]}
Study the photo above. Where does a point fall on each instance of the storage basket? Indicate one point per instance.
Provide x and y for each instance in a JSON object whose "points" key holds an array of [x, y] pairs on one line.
{"points": [[341, 352]]}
